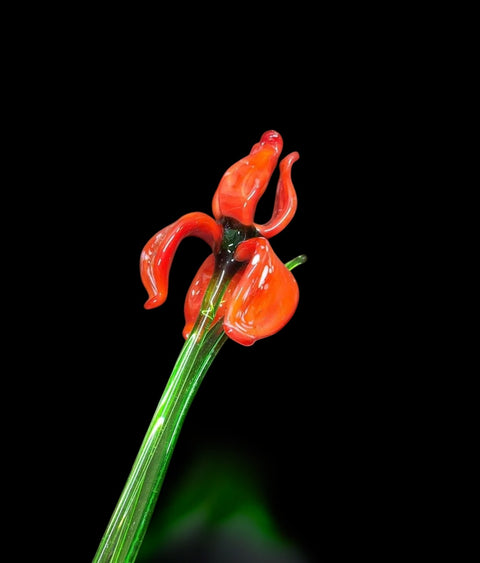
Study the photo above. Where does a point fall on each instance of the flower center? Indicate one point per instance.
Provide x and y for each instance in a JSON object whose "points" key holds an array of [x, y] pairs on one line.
{"points": [[234, 233]]}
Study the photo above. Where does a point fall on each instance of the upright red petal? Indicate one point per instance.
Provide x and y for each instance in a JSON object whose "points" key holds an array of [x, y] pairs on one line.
{"points": [[265, 297], [244, 183], [157, 255], [285, 200]]}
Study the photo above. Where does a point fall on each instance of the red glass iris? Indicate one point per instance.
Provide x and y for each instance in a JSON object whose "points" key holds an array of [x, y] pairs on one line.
{"points": [[262, 294]]}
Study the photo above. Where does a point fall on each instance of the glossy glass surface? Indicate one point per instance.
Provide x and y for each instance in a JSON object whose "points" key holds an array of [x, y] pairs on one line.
{"points": [[242, 291], [260, 295]]}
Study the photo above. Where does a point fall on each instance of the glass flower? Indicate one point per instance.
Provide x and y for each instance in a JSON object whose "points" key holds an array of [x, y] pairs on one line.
{"points": [[242, 291], [259, 294]]}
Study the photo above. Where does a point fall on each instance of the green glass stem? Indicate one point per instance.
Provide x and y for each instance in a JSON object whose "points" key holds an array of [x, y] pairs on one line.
{"points": [[128, 524]]}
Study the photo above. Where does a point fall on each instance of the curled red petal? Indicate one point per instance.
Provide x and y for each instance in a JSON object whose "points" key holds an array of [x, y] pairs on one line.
{"points": [[157, 255], [244, 182], [285, 200], [265, 297]]}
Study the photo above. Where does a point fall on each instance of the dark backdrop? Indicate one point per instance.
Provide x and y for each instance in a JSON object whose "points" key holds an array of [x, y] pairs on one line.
{"points": [[303, 405], [119, 152]]}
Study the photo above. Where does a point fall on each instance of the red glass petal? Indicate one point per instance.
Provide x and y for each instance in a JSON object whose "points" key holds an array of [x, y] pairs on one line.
{"points": [[157, 255], [285, 200], [264, 299], [244, 183]]}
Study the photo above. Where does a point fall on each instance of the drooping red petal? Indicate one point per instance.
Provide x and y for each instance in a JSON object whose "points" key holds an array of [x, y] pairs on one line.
{"points": [[265, 297], [157, 255], [244, 182], [285, 200]]}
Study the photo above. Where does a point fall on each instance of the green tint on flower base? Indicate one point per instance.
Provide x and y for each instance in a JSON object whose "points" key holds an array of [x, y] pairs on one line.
{"points": [[242, 291]]}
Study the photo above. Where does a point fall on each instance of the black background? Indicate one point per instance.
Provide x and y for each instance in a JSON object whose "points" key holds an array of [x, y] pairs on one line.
{"points": [[120, 145], [305, 404]]}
